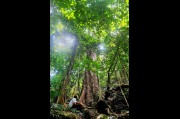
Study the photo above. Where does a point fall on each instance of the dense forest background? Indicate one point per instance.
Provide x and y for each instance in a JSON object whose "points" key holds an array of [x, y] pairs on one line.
{"points": [[89, 52]]}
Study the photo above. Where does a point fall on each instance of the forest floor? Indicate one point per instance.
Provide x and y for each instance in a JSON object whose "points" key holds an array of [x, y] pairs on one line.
{"points": [[114, 106]]}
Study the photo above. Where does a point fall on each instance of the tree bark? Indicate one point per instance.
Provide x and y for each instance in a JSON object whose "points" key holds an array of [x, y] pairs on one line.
{"points": [[89, 93]]}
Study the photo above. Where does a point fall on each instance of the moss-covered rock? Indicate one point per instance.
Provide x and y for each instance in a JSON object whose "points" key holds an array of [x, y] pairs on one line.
{"points": [[55, 114], [103, 116]]}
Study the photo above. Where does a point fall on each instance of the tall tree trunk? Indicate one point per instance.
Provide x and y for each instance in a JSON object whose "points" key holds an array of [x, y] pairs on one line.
{"points": [[111, 70], [63, 91], [113, 63], [78, 85], [126, 72], [89, 93]]}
